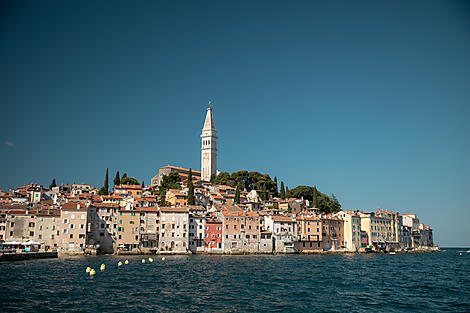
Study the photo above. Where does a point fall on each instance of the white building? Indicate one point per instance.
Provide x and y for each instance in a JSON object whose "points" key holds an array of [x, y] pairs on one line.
{"points": [[352, 229], [197, 226], [174, 229]]}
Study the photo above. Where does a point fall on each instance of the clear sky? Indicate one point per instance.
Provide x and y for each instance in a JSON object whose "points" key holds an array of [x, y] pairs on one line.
{"points": [[366, 100]]}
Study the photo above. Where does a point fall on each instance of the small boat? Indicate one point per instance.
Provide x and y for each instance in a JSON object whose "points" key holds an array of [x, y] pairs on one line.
{"points": [[392, 252], [468, 251]]}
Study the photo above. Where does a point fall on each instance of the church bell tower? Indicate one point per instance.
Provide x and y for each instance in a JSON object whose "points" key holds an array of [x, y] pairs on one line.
{"points": [[208, 147]]}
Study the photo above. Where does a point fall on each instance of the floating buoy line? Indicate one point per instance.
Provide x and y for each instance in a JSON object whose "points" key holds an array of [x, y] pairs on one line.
{"points": [[92, 271]]}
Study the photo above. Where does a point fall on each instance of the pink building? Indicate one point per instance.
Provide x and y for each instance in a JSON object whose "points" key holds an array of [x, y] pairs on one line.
{"points": [[213, 235]]}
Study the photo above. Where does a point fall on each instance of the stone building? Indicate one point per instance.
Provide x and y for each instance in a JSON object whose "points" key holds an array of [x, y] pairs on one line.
{"points": [[310, 233], [73, 227], [174, 229], [284, 232], [240, 230]]}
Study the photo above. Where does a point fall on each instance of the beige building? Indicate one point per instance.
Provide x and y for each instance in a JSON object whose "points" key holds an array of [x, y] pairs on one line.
{"points": [[47, 230], [73, 227], [332, 233], [128, 230], [174, 224], [175, 197], [240, 230], [310, 233]]}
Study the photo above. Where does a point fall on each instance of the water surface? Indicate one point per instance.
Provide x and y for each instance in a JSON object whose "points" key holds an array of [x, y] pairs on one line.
{"points": [[427, 282]]}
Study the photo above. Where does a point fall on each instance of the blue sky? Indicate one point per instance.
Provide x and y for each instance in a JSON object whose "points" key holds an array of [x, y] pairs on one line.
{"points": [[367, 100]]}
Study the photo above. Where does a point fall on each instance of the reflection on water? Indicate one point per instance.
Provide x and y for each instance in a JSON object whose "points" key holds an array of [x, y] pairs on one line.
{"points": [[402, 282]]}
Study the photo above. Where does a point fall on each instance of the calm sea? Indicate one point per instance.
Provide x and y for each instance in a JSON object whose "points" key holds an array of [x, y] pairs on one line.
{"points": [[428, 282]]}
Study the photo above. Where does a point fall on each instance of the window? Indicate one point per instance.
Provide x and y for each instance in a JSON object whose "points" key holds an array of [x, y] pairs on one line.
{"points": [[71, 235]]}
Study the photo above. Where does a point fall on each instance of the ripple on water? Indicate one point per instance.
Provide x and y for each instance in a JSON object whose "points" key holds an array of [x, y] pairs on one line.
{"points": [[336, 283]]}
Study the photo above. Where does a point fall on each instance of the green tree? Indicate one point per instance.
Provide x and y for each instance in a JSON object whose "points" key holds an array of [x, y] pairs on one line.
{"points": [[212, 180], [191, 198], [53, 184], [283, 191], [315, 197], [105, 189], [170, 181], [276, 191], [224, 178], [288, 193], [237, 195], [117, 180], [127, 180], [123, 176], [264, 195], [143, 185]]}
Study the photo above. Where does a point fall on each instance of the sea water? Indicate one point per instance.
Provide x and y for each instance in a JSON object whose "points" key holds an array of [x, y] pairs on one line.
{"points": [[427, 282]]}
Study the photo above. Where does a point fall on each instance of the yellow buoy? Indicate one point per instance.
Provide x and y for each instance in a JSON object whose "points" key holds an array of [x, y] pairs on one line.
{"points": [[92, 272], [102, 267], [150, 260], [88, 269], [143, 260], [163, 259], [119, 263], [126, 262]]}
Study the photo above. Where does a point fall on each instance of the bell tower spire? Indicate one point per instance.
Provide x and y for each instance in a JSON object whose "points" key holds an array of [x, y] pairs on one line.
{"points": [[208, 146]]}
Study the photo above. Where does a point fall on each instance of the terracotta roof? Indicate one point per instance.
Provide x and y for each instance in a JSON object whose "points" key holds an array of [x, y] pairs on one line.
{"points": [[128, 187], [183, 169], [74, 206], [149, 209], [105, 205], [281, 218], [175, 210]]}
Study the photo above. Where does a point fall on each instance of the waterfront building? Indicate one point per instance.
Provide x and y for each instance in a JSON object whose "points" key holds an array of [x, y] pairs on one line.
{"points": [[103, 226], [128, 238], [240, 230], [197, 226], [213, 236], [19, 226], [284, 231], [150, 228], [174, 229], [208, 147], [332, 233], [266, 242], [47, 229], [352, 229], [310, 233], [73, 227]]}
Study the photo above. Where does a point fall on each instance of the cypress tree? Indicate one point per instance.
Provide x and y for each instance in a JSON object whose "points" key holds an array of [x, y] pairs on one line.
{"points": [[117, 180], [105, 188], [237, 195], [191, 198], [53, 184], [287, 192], [143, 185], [283, 191], [315, 197], [123, 176], [276, 192]]}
